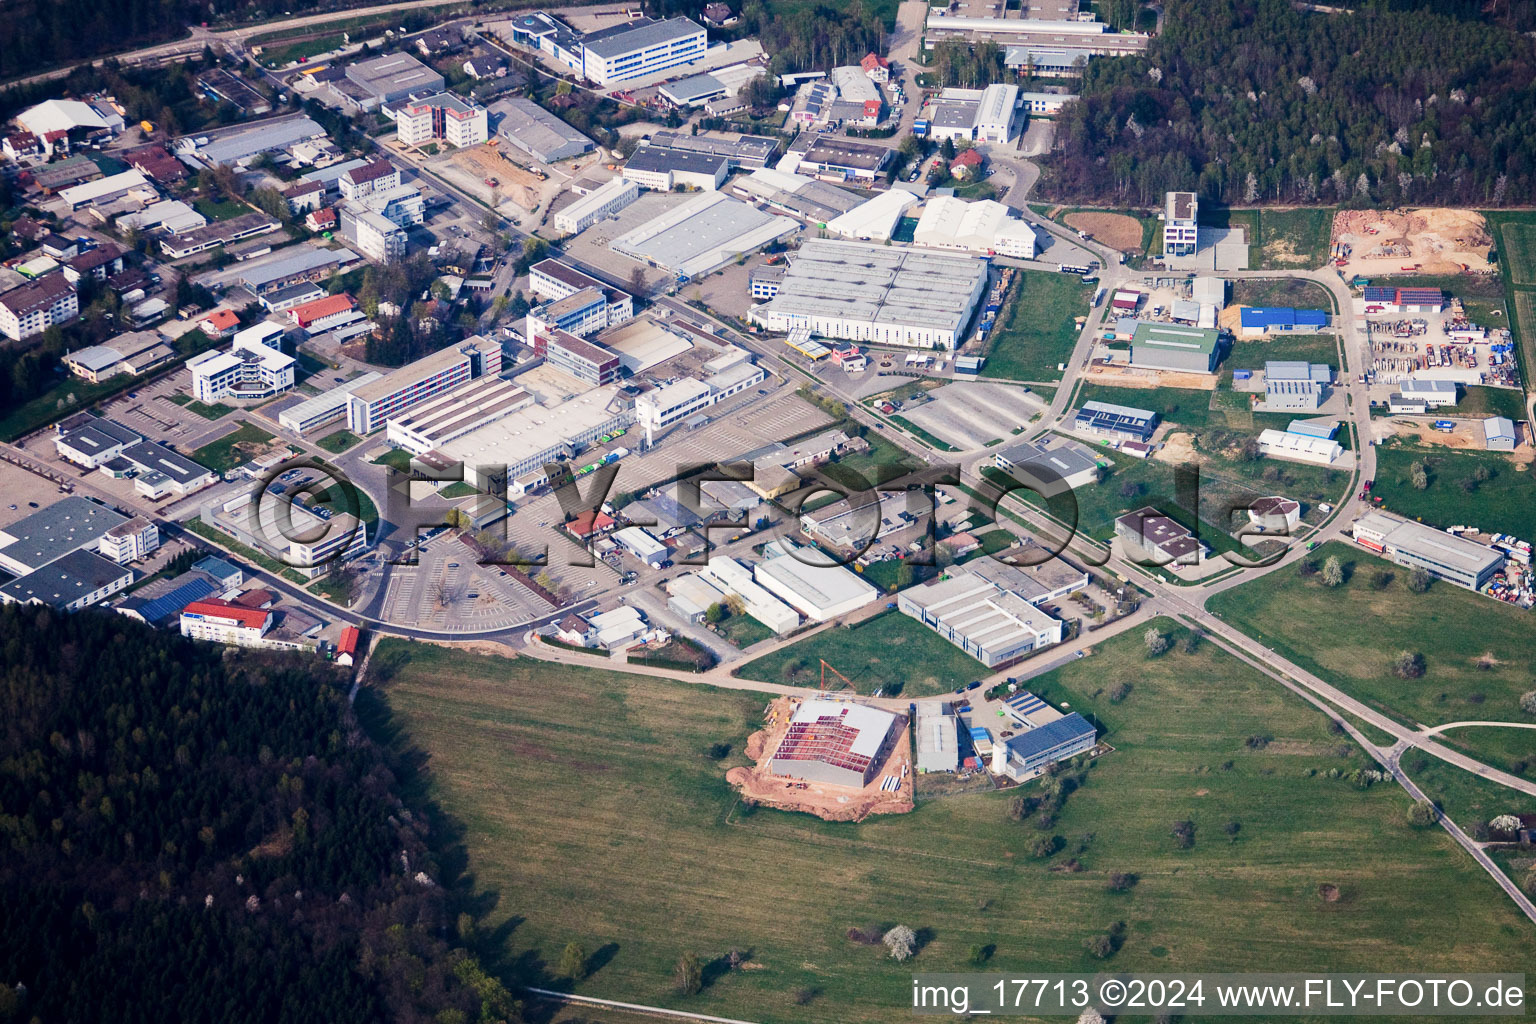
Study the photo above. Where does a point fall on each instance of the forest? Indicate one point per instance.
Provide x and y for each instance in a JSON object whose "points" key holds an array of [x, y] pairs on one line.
{"points": [[1252, 101], [194, 833]]}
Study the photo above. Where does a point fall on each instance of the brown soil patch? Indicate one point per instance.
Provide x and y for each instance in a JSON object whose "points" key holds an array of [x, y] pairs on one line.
{"points": [[1202, 792], [1116, 230], [1426, 241], [516, 184], [1178, 447], [1328, 892], [1466, 435], [1138, 377], [828, 802]]}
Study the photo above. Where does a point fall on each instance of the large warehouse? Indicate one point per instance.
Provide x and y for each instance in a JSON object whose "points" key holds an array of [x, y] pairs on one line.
{"points": [[1416, 546], [534, 130], [986, 611], [702, 235], [983, 226], [819, 592], [1160, 346], [836, 743], [875, 293]]}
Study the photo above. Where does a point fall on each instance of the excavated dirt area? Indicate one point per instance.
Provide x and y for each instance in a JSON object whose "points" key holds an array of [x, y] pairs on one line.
{"points": [[1386, 243]]}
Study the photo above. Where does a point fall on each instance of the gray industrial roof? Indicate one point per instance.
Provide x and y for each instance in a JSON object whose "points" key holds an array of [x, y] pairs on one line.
{"points": [[262, 138], [1429, 543], [880, 284], [744, 150], [532, 128], [99, 435], [627, 38], [65, 579], [56, 530], [292, 262], [701, 234], [657, 159], [158, 458], [694, 87]]}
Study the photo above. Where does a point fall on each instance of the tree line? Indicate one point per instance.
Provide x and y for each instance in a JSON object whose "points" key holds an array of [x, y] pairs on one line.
{"points": [[190, 833], [1250, 101]]}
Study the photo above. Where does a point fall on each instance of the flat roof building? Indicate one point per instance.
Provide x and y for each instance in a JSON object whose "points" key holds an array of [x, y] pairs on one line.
{"points": [[500, 453], [54, 531], [859, 291], [328, 407], [1031, 752], [844, 159], [842, 744], [596, 205], [702, 234], [70, 582], [662, 169], [748, 151], [470, 406], [987, 609], [1161, 346], [1413, 545], [393, 76], [1051, 466], [639, 48], [1111, 420], [819, 592], [1151, 536], [537, 132], [938, 737], [372, 404]]}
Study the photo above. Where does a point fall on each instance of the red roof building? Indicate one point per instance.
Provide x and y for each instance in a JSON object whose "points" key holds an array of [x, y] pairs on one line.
{"points": [[588, 523], [321, 220], [321, 311], [346, 646], [876, 67], [966, 164], [258, 598], [226, 614], [218, 323]]}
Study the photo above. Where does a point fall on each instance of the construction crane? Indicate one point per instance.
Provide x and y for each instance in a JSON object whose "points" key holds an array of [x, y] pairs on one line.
{"points": [[827, 667]]}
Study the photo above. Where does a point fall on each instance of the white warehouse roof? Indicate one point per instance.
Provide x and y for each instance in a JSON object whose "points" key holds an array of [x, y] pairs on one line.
{"points": [[875, 219]]}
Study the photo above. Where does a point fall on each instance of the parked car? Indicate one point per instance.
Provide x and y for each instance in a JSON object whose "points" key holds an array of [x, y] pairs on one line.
{"points": [[974, 685]]}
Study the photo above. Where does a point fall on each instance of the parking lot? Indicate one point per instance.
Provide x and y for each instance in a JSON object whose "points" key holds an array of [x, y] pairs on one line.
{"points": [[968, 414], [448, 590]]}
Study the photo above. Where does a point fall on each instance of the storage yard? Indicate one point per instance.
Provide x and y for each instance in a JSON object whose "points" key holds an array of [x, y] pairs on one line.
{"points": [[1423, 241]]}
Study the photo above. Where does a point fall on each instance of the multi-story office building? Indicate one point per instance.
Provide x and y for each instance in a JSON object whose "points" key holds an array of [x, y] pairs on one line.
{"points": [[581, 314], [370, 406], [596, 205], [253, 367], [376, 236], [441, 117], [224, 622], [132, 541], [357, 182], [587, 362], [1181, 234], [640, 48]]}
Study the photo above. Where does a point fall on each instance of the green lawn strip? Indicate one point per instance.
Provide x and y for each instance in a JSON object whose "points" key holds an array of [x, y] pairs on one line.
{"points": [[251, 555], [458, 489], [1349, 635], [1481, 402], [1509, 750], [1037, 328], [931, 440], [1295, 238], [666, 841], [338, 442], [217, 410], [743, 630], [395, 458], [223, 210], [1464, 797], [889, 650], [233, 449], [1503, 503]]}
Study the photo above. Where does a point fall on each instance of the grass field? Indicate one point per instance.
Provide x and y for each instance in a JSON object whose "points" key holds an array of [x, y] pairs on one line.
{"points": [[636, 848], [397, 458], [338, 442], [459, 489], [217, 410], [1283, 292], [889, 650], [1465, 798], [1251, 354], [1503, 503], [1037, 329], [1510, 750], [743, 630], [232, 449], [1295, 238], [1486, 401], [1519, 250], [1349, 635]]}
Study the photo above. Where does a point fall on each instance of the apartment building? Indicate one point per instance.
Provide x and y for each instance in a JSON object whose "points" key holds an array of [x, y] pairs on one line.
{"points": [[32, 308], [441, 117]]}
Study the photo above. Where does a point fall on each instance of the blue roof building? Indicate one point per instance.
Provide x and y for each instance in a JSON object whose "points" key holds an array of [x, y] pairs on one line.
{"points": [[226, 573], [1032, 751], [1258, 320]]}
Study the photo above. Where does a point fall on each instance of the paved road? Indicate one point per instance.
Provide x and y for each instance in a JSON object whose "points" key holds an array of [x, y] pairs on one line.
{"points": [[1435, 730]]}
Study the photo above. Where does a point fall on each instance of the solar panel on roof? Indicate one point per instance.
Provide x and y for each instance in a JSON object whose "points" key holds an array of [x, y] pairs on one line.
{"points": [[177, 599]]}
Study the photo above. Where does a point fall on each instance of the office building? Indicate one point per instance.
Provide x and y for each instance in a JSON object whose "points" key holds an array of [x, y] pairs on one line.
{"points": [[369, 406], [640, 48], [1119, 421], [132, 541], [675, 402], [376, 236], [95, 442], [254, 366], [323, 409], [226, 622], [1413, 545], [440, 117], [1052, 466], [289, 533], [1028, 753], [859, 291], [590, 363], [1181, 215]]}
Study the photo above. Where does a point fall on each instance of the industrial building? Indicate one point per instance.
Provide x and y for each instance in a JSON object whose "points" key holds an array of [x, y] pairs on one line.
{"points": [[938, 737], [132, 352], [1405, 300], [470, 406], [980, 115], [1149, 535], [875, 219], [987, 609], [1052, 466], [686, 397], [498, 454], [596, 205], [1499, 434], [693, 91], [588, 362], [238, 147], [1119, 421], [390, 77], [744, 151], [1181, 218], [1257, 321], [662, 169], [70, 582], [733, 579], [534, 130], [69, 524], [815, 202], [1282, 444], [819, 592], [323, 409], [290, 266], [1295, 386], [1030, 30], [859, 291], [1433, 393], [1413, 545], [642, 545], [845, 160], [837, 743], [158, 472], [94, 442], [1161, 346], [220, 232], [985, 226], [702, 234], [306, 543], [369, 406]]}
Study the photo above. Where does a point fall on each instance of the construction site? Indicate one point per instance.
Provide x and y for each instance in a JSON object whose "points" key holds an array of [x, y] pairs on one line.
{"points": [[890, 779], [495, 179], [1378, 243]]}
